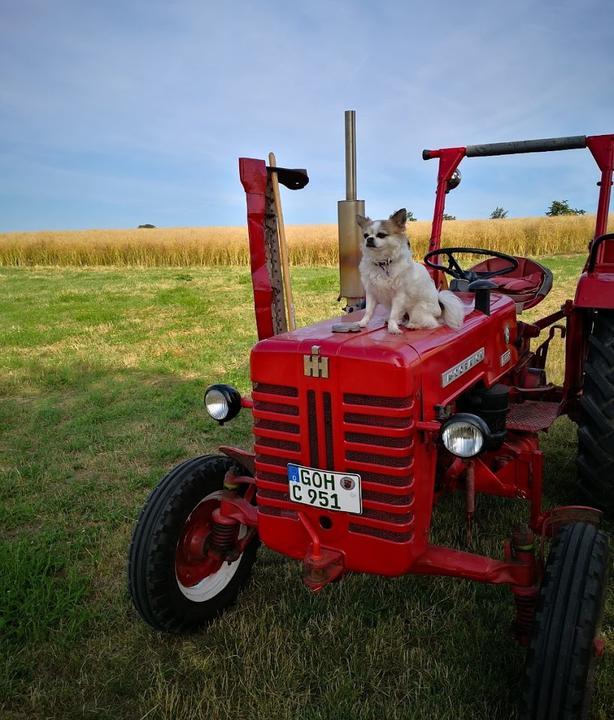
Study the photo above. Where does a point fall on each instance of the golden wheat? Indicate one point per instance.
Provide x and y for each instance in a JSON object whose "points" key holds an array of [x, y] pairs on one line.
{"points": [[308, 244]]}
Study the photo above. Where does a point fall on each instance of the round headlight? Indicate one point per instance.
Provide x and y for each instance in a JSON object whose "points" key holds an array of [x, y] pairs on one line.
{"points": [[464, 435], [222, 402]]}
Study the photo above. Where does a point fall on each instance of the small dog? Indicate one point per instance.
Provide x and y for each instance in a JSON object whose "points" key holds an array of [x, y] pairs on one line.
{"points": [[392, 278]]}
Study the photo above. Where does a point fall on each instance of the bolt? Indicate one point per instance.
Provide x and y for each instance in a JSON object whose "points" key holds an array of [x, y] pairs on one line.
{"points": [[347, 483]]}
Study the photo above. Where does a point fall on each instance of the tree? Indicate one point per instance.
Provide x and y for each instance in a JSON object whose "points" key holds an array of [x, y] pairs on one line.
{"points": [[410, 216], [561, 207], [449, 217], [498, 213]]}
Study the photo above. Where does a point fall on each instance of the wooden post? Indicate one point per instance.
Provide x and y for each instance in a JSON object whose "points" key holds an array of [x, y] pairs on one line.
{"points": [[283, 246]]}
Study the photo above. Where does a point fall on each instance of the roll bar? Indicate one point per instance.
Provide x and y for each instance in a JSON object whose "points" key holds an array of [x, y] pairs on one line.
{"points": [[571, 142], [527, 146], [601, 148]]}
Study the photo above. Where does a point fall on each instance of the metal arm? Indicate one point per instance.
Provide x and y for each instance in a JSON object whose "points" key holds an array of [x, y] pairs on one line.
{"points": [[515, 147], [527, 146]]}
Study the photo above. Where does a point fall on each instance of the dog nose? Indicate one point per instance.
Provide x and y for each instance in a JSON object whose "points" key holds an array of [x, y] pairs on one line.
{"points": [[370, 242]]}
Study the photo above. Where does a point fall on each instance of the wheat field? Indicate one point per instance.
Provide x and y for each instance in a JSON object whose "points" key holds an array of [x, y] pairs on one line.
{"points": [[309, 245]]}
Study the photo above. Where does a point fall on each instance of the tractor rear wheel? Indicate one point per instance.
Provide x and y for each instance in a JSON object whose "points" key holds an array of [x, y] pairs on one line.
{"points": [[565, 643], [176, 581], [596, 425]]}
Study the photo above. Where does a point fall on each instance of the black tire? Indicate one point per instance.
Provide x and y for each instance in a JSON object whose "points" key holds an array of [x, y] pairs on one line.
{"points": [[596, 425], [561, 659], [157, 594]]}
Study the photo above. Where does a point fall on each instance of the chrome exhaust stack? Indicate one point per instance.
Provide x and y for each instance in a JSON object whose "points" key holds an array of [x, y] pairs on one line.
{"points": [[349, 233]]}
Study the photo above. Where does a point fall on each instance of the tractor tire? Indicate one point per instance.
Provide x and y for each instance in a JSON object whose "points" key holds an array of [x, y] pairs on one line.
{"points": [[564, 645], [189, 492], [596, 425]]}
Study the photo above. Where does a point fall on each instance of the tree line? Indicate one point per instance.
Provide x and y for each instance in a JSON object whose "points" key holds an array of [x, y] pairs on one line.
{"points": [[557, 207]]}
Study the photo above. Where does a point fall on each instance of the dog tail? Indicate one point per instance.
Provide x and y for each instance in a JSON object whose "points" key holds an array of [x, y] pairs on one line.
{"points": [[453, 313]]}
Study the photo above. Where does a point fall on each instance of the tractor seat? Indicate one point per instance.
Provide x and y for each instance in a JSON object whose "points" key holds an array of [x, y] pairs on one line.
{"points": [[527, 285]]}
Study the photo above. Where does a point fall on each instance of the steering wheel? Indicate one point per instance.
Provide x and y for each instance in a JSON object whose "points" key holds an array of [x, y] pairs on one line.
{"points": [[456, 271]]}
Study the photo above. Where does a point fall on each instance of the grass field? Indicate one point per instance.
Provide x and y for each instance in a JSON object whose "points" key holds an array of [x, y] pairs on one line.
{"points": [[101, 380], [313, 245]]}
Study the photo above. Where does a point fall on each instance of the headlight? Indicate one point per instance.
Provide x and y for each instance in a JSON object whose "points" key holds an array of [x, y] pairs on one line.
{"points": [[465, 435], [222, 402]]}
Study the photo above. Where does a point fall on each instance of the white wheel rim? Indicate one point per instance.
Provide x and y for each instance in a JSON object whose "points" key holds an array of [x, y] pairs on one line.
{"points": [[213, 584]]}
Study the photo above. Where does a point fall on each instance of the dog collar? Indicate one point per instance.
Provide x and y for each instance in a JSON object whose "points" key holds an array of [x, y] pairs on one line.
{"points": [[384, 265]]}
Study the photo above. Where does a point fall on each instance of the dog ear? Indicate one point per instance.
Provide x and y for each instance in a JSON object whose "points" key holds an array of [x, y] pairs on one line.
{"points": [[363, 221], [399, 218]]}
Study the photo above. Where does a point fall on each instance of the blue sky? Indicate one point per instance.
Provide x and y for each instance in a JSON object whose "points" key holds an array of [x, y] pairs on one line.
{"points": [[119, 113]]}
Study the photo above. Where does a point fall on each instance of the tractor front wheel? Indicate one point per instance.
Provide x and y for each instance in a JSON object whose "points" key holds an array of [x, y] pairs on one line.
{"points": [[565, 642], [176, 581], [596, 425]]}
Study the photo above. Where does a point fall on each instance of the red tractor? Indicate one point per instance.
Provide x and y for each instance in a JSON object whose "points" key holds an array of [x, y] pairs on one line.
{"points": [[358, 432]]}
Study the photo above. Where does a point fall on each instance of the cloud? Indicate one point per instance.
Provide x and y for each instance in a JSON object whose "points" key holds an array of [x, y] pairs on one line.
{"points": [[157, 100]]}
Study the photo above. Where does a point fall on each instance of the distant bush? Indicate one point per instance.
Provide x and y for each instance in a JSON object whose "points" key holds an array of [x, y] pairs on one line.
{"points": [[498, 213], [449, 217], [561, 207]]}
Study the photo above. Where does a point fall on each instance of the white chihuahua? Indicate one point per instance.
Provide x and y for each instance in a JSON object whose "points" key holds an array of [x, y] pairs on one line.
{"points": [[392, 278]]}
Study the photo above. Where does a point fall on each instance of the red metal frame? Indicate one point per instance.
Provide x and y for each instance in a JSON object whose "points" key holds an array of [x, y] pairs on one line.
{"points": [[253, 174], [437, 560], [600, 146], [602, 149], [595, 289], [594, 286], [449, 160], [514, 470]]}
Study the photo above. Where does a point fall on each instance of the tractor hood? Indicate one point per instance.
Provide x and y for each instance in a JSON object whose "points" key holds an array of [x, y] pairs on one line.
{"points": [[443, 361]]}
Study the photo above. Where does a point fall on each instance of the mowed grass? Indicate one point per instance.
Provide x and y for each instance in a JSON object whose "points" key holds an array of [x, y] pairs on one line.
{"points": [[311, 245], [101, 381]]}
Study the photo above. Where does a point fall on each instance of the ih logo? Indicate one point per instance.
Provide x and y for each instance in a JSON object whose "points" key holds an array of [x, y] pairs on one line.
{"points": [[314, 364]]}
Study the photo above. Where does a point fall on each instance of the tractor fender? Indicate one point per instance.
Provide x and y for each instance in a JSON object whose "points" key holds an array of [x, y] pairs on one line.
{"points": [[243, 458], [595, 290]]}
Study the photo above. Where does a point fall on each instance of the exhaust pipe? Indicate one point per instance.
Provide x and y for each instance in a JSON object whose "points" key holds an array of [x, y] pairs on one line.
{"points": [[349, 233]]}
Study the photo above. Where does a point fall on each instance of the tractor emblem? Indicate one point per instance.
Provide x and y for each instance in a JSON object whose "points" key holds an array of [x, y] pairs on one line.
{"points": [[464, 366], [315, 365]]}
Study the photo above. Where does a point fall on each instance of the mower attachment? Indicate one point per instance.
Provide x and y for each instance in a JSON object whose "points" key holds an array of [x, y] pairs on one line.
{"points": [[264, 250]]}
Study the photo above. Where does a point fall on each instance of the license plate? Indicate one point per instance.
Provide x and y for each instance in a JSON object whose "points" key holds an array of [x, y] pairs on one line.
{"points": [[325, 489]]}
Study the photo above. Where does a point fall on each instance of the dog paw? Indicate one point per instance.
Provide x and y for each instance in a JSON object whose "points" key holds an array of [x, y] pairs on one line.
{"points": [[394, 328], [363, 323]]}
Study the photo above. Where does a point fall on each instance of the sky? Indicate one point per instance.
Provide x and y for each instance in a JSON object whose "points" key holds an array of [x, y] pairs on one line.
{"points": [[114, 114]]}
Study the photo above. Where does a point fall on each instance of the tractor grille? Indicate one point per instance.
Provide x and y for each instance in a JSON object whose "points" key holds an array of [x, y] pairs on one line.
{"points": [[376, 435], [278, 442]]}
